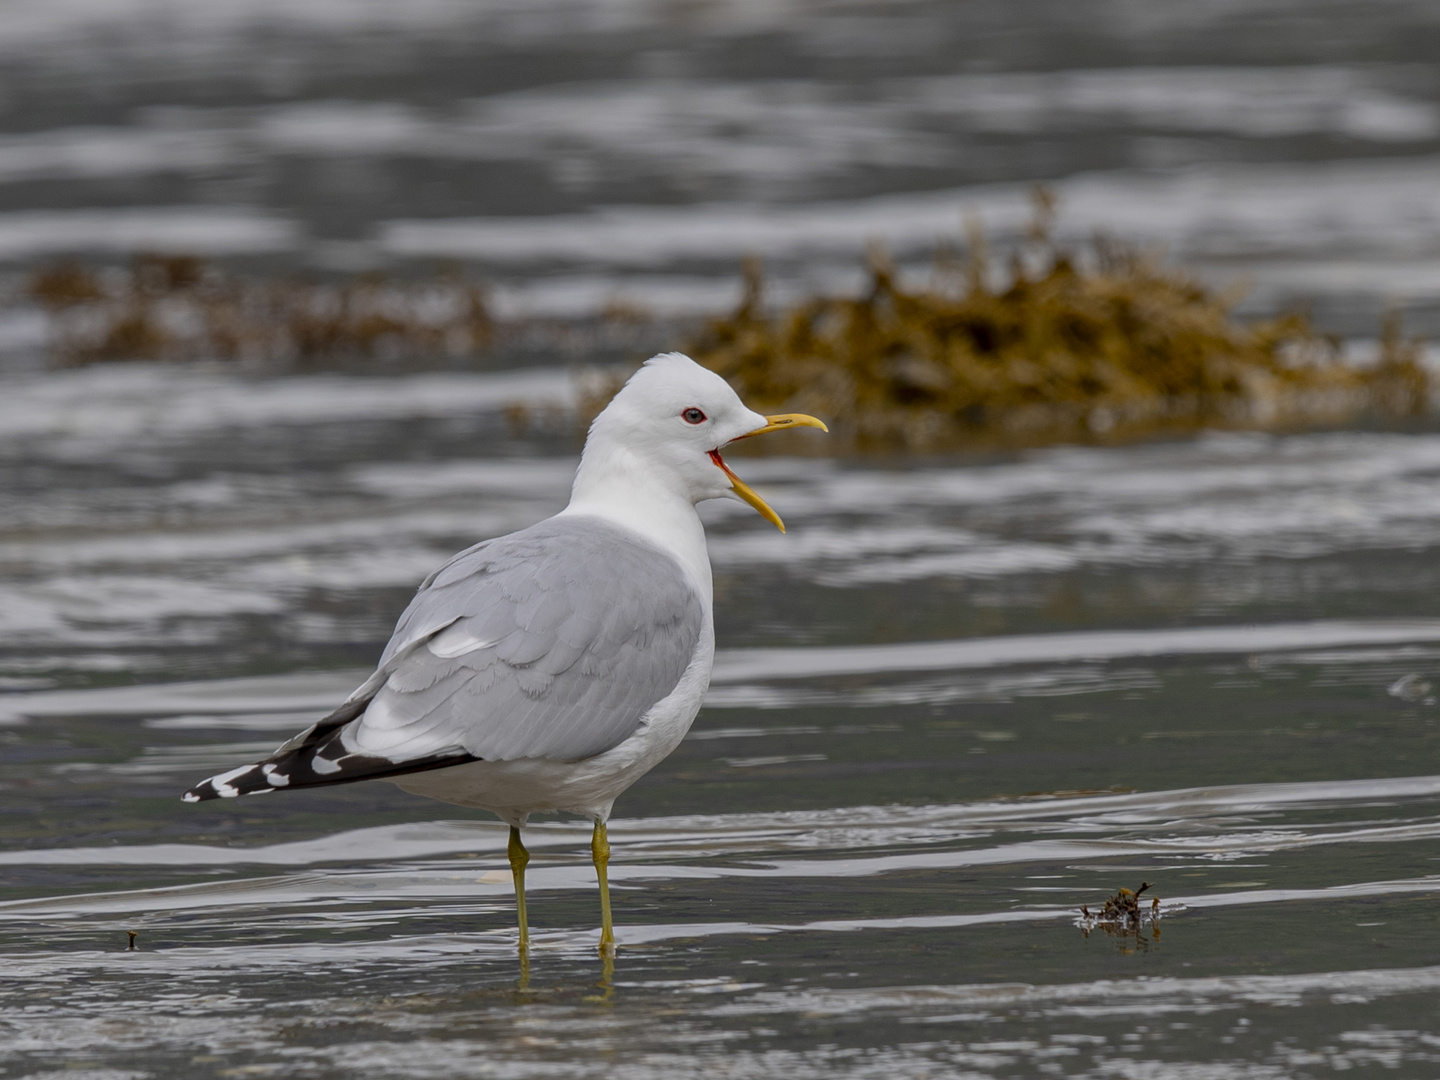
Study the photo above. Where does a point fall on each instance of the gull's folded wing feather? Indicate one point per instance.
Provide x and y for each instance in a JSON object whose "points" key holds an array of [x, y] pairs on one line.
{"points": [[552, 642]]}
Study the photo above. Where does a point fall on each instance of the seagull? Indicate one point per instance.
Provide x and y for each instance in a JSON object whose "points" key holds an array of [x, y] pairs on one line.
{"points": [[549, 669]]}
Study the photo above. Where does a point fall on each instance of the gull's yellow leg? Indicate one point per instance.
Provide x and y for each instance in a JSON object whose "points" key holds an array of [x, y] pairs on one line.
{"points": [[600, 853], [519, 857]]}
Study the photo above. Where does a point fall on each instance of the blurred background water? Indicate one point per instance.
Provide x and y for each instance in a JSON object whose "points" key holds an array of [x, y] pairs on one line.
{"points": [[961, 698]]}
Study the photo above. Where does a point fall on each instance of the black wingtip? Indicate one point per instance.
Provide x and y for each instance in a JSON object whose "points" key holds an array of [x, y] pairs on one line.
{"points": [[297, 768], [246, 780], [204, 792]]}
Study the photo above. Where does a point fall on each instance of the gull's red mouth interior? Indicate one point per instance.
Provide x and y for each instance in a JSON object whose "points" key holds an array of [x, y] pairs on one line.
{"points": [[720, 462], [743, 490]]}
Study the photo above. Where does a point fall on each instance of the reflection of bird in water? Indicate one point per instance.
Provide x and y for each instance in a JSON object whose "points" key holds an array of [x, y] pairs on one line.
{"points": [[550, 669]]}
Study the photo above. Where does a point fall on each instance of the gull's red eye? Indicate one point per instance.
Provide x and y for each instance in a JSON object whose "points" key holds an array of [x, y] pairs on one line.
{"points": [[693, 415]]}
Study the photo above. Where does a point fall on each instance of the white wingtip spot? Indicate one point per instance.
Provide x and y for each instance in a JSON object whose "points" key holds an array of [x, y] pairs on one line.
{"points": [[189, 796], [221, 783]]}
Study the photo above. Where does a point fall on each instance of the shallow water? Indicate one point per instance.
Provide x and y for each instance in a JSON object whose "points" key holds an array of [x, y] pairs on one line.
{"points": [[957, 702]]}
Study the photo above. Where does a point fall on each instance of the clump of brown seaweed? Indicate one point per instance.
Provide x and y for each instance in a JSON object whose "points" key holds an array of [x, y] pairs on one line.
{"points": [[178, 307], [1107, 343], [1124, 916], [1109, 346], [1123, 907]]}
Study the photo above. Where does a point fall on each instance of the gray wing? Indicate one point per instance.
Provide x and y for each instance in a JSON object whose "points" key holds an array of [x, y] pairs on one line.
{"points": [[551, 642]]}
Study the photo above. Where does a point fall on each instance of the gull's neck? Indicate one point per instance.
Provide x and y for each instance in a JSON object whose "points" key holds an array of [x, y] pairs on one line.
{"points": [[617, 485]]}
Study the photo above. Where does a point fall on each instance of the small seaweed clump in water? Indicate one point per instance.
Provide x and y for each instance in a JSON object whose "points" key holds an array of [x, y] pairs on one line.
{"points": [[1123, 908], [175, 307], [1120, 346], [1123, 917]]}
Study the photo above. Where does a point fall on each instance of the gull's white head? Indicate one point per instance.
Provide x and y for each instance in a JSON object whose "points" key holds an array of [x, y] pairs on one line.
{"points": [[665, 429]]}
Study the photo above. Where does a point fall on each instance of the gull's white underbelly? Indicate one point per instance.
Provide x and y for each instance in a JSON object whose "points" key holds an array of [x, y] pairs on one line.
{"points": [[515, 789]]}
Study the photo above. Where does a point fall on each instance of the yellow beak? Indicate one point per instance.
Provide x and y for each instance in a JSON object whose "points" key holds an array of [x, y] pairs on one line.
{"points": [[783, 421], [772, 423]]}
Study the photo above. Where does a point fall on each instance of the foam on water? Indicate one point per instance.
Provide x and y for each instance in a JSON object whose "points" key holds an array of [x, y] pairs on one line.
{"points": [[1164, 821], [209, 231], [96, 408], [745, 665], [744, 130], [1230, 211]]}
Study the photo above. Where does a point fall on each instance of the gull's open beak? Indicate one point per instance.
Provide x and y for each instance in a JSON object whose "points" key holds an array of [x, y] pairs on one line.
{"points": [[772, 423]]}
